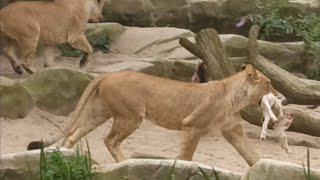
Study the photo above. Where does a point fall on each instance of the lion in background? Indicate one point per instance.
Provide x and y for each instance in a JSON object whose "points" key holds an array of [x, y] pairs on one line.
{"points": [[129, 97], [28, 24]]}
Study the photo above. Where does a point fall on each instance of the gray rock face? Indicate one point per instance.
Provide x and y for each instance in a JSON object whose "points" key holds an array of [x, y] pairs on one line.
{"points": [[153, 42], [270, 169], [164, 43], [172, 69], [194, 14], [15, 101], [57, 90], [135, 169]]}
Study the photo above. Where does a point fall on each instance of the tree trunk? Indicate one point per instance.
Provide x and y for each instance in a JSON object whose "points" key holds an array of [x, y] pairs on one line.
{"points": [[305, 120], [296, 90], [209, 48]]}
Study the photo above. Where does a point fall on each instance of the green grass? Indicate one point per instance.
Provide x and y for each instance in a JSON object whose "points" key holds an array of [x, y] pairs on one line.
{"points": [[56, 166], [307, 170], [98, 42], [276, 24]]}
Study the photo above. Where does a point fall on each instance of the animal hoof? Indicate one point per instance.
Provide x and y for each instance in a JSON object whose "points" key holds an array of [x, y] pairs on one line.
{"points": [[18, 70], [288, 151], [275, 119], [45, 65], [49, 64], [35, 145], [27, 69], [263, 136], [83, 62]]}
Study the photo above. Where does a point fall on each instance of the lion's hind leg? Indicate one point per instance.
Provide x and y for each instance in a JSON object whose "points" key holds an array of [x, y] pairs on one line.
{"points": [[94, 114], [121, 129]]}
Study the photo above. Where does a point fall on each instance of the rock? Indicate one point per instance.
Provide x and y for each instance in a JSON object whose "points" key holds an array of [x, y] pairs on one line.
{"points": [[112, 30], [122, 66], [135, 169], [18, 166], [146, 156], [15, 101], [151, 42], [271, 169], [164, 43], [57, 90], [303, 7], [204, 14], [194, 14], [181, 70]]}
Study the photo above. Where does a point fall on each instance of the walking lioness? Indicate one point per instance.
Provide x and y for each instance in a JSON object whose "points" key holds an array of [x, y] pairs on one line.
{"points": [[129, 97], [28, 24]]}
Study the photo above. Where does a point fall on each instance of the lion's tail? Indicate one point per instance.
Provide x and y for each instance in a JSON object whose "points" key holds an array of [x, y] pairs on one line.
{"points": [[89, 91]]}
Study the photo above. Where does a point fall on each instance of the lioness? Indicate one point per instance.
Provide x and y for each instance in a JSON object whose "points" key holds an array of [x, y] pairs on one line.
{"points": [[28, 24], [129, 97]]}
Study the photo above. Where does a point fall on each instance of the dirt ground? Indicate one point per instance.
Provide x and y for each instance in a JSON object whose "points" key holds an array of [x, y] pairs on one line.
{"points": [[150, 139]]}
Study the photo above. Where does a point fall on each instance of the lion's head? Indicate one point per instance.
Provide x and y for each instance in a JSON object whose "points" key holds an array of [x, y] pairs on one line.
{"points": [[258, 84], [96, 7]]}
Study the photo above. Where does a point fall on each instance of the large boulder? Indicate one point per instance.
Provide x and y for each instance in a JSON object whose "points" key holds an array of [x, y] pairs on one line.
{"points": [[195, 14], [15, 101], [135, 169], [57, 90], [152, 42], [19, 166], [181, 70], [111, 30], [164, 43], [271, 169]]}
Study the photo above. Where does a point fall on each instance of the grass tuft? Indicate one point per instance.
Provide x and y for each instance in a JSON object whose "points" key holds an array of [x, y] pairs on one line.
{"points": [[56, 166]]}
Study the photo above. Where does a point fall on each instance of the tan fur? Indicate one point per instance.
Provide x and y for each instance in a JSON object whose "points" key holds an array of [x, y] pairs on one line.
{"points": [[130, 97], [28, 24]]}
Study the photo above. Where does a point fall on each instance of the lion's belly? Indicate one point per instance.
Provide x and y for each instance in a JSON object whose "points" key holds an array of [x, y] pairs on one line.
{"points": [[53, 36], [169, 118]]}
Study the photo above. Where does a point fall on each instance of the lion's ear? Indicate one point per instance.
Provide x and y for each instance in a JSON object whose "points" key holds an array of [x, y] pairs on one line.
{"points": [[252, 73], [243, 66]]}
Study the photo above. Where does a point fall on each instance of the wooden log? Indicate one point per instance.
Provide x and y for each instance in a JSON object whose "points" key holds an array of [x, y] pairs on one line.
{"points": [[296, 90], [306, 121], [209, 48]]}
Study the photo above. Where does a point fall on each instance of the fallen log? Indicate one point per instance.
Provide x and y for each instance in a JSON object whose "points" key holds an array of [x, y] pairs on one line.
{"points": [[210, 50], [296, 90], [306, 121]]}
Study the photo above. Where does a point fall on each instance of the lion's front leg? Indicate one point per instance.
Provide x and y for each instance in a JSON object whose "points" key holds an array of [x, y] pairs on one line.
{"points": [[190, 140], [236, 136]]}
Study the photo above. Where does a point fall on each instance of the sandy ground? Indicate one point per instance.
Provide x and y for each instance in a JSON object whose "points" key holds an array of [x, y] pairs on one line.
{"points": [[150, 139]]}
